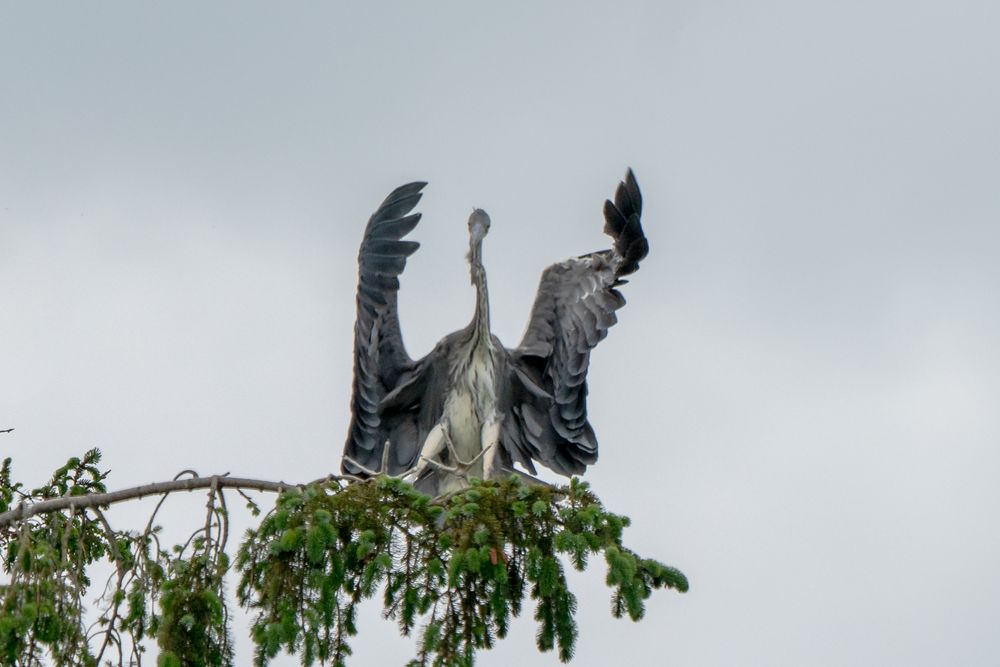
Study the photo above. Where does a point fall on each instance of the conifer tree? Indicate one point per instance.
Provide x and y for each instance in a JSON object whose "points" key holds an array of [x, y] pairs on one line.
{"points": [[450, 571]]}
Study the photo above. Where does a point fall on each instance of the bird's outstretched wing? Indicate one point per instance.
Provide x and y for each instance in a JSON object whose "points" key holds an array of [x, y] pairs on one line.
{"points": [[573, 311], [380, 359]]}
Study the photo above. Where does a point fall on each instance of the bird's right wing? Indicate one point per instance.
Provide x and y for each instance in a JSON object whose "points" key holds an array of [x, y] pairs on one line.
{"points": [[380, 359]]}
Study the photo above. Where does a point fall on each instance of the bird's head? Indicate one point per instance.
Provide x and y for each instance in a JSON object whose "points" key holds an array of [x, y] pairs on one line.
{"points": [[479, 225]]}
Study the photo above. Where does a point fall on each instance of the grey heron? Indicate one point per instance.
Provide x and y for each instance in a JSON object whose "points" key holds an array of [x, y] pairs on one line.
{"points": [[472, 407]]}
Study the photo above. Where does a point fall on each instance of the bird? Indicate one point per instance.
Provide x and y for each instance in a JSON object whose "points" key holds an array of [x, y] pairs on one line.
{"points": [[472, 408]]}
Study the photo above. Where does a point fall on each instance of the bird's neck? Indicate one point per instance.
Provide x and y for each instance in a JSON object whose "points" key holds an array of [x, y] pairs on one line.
{"points": [[481, 318]]}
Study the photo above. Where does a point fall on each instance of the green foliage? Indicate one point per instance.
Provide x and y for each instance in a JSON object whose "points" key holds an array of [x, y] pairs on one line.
{"points": [[462, 565], [452, 571], [177, 597], [46, 559], [194, 619]]}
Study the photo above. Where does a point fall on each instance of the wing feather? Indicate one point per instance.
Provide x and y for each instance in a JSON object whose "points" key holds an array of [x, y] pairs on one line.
{"points": [[574, 308], [380, 358]]}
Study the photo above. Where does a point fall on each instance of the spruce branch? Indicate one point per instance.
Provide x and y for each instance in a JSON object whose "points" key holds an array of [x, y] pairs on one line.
{"points": [[25, 510], [457, 568]]}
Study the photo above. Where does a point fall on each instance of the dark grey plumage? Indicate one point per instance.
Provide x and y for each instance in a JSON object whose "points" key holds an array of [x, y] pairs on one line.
{"points": [[529, 402], [380, 358]]}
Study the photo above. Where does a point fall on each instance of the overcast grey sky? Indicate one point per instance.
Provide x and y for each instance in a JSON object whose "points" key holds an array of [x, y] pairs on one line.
{"points": [[799, 405]]}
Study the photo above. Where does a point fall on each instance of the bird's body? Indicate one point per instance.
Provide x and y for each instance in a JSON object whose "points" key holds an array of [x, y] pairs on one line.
{"points": [[471, 407]]}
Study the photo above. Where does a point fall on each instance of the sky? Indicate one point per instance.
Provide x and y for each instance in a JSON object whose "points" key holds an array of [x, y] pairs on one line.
{"points": [[798, 407]]}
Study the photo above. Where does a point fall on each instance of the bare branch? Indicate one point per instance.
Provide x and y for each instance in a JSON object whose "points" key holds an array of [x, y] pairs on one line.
{"points": [[27, 510]]}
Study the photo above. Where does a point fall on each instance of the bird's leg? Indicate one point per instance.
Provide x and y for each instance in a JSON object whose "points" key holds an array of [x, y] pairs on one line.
{"points": [[490, 439], [458, 466], [451, 448], [439, 439], [385, 457], [434, 444], [461, 467]]}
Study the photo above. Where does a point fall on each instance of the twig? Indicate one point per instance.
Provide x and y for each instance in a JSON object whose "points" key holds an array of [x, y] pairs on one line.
{"points": [[367, 471], [109, 634], [156, 510], [223, 522], [109, 533], [210, 508]]}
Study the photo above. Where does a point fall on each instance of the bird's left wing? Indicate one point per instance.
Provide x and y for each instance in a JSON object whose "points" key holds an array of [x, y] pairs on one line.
{"points": [[573, 311], [380, 359]]}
